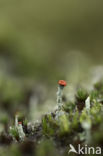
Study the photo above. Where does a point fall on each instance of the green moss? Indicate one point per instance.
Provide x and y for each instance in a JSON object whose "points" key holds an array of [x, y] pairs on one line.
{"points": [[49, 125], [46, 148], [25, 122], [99, 86], [82, 94], [75, 120], [69, 107], [14, 133], [70, 125], [64, 124]]}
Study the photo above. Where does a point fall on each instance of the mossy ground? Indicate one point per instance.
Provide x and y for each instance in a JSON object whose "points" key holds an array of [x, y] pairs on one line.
{"points": [[53, 134]]}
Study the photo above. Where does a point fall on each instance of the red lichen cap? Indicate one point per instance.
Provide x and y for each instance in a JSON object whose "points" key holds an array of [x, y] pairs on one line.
{"points": [[62, 83]]}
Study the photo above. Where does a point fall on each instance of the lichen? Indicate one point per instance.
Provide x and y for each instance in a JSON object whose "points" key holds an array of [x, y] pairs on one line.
{"points": [[66, 125]]}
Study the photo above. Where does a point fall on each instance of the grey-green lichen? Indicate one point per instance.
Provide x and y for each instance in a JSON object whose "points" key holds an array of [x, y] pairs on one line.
{"points": [[78, 122]]}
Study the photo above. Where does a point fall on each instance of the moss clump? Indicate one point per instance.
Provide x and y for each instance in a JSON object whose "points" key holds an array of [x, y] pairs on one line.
{"points": [[49, 125], [81, 96], [14, 133], [72, 124]]}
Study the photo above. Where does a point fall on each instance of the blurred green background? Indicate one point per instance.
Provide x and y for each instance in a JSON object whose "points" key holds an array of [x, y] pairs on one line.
{"points": [[43, 41]]}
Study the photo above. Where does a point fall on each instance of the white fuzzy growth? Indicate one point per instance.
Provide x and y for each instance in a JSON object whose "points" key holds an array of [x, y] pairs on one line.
{"points": [[21, 132], [19, 129], [87, 104], [87, 127], [59, 96], [16, 121], [58, 114]]}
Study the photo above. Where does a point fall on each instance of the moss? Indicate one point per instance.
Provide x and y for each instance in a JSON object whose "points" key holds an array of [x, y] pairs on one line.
{"points": [[68, 107], [67, 126], [49, 125], [64, 124], [14, 133], [46, 147], [75, 121], [81, 96], [99, 86]]}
